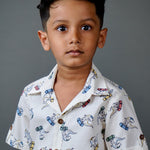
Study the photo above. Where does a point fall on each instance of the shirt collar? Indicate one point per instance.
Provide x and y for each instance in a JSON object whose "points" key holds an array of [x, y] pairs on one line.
{"points": [[95, 84], [99, 84], [44, 84]]}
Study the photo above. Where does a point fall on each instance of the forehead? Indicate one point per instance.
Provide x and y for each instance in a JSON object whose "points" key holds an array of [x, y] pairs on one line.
{"points": [[74, 9]]}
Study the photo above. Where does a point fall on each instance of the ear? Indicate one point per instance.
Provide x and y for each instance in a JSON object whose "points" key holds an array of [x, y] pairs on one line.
{"points": [[44, 40], [102, 37]]}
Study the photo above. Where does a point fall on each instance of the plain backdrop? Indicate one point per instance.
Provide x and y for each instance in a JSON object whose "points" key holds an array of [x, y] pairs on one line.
{"points": [[124, 59]]}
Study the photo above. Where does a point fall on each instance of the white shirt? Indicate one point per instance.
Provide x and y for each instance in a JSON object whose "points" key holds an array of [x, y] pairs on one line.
{"points": [[100, 117]]}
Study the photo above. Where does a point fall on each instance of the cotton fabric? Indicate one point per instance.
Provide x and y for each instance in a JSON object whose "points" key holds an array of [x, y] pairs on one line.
{"points": [[100, 117]]}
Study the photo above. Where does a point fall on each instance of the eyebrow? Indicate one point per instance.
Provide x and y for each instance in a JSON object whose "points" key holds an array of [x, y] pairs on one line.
{"points": [[89, 19], [59, 21], [65, 21]]}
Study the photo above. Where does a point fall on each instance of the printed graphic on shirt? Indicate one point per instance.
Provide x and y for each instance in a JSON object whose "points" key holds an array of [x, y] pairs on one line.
{"points": [[38, 86], [29, 140], [86, 121], [31, 113], [86, 103], [94, 74], [101, 115], [41, 132], [31, 145], [32, 86], [88, 85], [86, 89], [106, 97], [116, 107], [128, 124], [27, 89], [94, 143], [48, 97], [19, 111], [52, 119], [15, 143], [101, 91], [115, 141], [51, 75], [66, 133]]}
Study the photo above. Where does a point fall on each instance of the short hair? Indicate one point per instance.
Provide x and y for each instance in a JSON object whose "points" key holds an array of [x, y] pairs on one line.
{"points": [[45, 5]]}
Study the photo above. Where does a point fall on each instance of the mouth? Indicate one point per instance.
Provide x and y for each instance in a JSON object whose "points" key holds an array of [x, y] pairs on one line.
{"points": [[74, 53]]}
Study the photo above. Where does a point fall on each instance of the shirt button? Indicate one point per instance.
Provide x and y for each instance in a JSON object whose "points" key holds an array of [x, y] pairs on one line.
{"points": [[60, 121], [142, 137]]}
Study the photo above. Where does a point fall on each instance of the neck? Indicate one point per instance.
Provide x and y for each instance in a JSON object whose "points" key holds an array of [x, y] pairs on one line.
{"points": [[73, 75]]}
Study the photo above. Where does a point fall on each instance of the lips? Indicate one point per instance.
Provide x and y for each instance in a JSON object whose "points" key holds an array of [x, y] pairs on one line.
{"points": [[74, 52]]}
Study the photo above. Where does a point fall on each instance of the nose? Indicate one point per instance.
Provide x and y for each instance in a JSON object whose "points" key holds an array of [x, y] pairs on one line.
{"points": [[74, 37]]}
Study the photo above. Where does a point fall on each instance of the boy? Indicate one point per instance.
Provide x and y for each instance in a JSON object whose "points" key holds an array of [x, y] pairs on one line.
{"points": [[75, 107]]}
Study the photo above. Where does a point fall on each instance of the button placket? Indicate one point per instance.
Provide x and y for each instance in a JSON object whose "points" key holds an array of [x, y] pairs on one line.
{"points": [[57, 141], [59, 125]]}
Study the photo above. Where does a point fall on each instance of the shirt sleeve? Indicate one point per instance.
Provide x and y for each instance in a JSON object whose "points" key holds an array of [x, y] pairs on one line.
{"points": [[18, 136], [123, 130]]}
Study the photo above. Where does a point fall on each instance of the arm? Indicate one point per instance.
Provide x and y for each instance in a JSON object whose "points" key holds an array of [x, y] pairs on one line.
{"points": [[123, 130]]}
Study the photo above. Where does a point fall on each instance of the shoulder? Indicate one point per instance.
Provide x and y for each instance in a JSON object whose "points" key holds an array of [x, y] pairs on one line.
{"points": [[34, 86], [111, 89], [41, 84], [115, 89], [112, 84]]}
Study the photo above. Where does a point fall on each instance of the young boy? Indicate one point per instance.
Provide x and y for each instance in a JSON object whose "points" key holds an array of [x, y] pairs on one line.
{"points": [[74, 107]]}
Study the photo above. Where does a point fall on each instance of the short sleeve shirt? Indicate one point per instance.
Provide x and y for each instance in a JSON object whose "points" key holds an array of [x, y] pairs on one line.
{"points": [[100, 117]]}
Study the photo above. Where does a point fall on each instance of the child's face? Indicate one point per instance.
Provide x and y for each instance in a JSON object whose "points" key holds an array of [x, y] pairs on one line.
{"points": [[73, 33]]}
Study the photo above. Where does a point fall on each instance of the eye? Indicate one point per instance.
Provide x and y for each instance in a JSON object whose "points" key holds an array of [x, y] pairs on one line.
{"points": [[86, 27], [62, 28]]}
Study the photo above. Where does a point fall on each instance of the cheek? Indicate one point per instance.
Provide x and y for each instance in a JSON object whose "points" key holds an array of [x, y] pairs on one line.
{"points": [[56, 44], [91, 45], [92, 38]]}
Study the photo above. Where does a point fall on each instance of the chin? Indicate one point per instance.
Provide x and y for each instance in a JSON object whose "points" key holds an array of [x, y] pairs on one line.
{"points": [[76, 65]]}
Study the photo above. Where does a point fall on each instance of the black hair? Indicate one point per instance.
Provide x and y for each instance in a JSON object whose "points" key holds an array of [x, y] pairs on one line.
{"points": [[45, 5]]}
